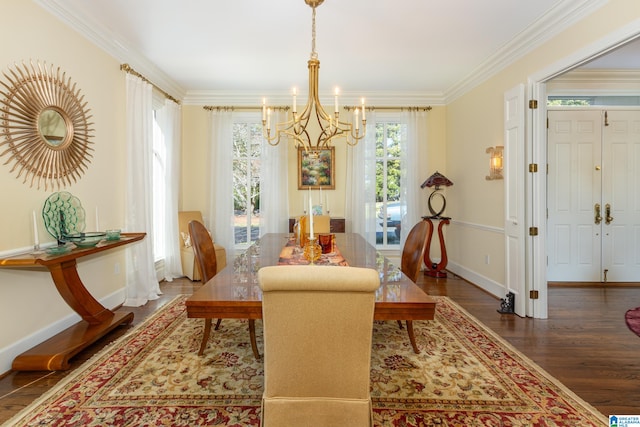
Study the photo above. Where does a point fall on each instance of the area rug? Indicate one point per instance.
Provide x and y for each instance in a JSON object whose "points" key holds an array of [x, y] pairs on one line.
{"points": [[632, 318], [465, 375]]}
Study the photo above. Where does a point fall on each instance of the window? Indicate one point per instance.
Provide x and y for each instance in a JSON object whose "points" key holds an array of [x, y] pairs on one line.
{"points": [[390, 211], [247, 145], [159, 191]]}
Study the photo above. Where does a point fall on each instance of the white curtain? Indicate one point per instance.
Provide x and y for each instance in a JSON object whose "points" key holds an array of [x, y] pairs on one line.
{"points": [[274, 187], [416, 121], [360, 203], [220, 181], [142, 284], [168, 118]]}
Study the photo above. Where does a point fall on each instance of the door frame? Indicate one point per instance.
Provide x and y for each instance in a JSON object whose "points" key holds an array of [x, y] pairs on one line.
{"points": [[536, 256]]}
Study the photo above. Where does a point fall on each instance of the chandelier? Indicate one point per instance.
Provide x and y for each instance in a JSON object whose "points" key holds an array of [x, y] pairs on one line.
{"points": [[314, 119]]}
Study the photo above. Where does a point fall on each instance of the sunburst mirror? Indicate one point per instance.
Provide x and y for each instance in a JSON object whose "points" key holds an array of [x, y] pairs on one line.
{"points": [[45, 124]]}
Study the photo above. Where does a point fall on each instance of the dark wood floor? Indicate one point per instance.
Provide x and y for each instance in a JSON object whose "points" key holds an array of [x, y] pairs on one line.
{"points": [[584, 343]]}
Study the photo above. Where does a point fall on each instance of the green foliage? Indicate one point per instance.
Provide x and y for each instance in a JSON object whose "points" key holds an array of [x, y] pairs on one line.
{"points": [[388, 151], [568, 102], [247, 140]]}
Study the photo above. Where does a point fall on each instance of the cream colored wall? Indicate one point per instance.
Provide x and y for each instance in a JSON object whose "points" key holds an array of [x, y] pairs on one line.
{"points": [[475, 122], [195, 158], [30, 307]]}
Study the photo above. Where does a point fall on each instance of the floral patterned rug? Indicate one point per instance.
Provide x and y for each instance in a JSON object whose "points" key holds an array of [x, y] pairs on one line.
{"points": [[464, 376]]}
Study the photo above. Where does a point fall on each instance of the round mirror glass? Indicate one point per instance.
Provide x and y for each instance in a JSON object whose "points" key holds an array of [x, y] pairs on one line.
{"points": [[52, 127]]}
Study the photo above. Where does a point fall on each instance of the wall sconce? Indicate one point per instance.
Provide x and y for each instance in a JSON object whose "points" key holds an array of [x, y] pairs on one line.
{"points": [[495, 162]]}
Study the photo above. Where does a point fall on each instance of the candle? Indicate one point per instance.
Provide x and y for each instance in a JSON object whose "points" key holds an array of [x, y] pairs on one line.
{"points": [[295, 92], [264, 109], [97, 220], [336, 100], [36, 240], [310, 219], [356, 119], [363, 116], [268, 119]]}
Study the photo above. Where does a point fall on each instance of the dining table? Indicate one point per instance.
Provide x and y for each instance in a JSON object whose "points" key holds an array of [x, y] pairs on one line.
{"points": [[234, 292]]}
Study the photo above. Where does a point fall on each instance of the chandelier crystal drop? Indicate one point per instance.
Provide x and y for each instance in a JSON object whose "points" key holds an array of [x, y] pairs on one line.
{"points": [[314, 119]]}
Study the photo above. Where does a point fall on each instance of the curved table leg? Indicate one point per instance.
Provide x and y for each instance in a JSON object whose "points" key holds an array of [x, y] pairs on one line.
{"points": [[207, 332], [412, 337], [437, 270], [70, 286], [252, 335], [205, 335], [54, 353]]}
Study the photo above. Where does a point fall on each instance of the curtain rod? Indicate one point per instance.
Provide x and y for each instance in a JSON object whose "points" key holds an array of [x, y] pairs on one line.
{"points": [[374, 108], [238, 107], [346, 107], [127, 68]]}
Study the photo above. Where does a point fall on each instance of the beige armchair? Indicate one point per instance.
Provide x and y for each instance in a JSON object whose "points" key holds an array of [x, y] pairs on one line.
{"points": [[317, 323], [321, 224], [190, 267]]}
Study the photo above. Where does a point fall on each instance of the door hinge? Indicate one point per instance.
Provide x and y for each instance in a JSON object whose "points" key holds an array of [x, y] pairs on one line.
{"points": [[533, 231], [533, 294], [606, 118], [533, 167], [533, 104]]}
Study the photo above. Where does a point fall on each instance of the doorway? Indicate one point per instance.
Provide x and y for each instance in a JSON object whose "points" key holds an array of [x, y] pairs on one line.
{"points": [[593, 203]]}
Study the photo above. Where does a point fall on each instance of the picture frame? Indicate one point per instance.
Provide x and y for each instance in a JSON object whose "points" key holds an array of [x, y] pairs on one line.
{"points": [[316, 169]]}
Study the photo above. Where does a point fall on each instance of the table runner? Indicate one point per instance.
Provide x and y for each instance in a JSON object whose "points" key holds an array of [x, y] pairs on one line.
{"points": [[292, 254]]}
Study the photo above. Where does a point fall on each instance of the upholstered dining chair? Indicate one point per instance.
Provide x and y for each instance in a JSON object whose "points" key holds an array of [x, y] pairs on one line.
{"points": [[205, 254], [317, 329], [410, 263]]}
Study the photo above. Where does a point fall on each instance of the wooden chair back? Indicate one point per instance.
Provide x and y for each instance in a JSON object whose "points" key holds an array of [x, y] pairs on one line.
{"points": [[413, 250], [203, 250]]}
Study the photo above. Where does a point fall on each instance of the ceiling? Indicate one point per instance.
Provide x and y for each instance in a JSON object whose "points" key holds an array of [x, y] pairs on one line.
{"points": [[420, 51]]}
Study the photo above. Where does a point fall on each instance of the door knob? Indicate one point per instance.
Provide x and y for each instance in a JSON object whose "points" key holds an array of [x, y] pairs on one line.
{"points": [[596, 209], [607, 212]]}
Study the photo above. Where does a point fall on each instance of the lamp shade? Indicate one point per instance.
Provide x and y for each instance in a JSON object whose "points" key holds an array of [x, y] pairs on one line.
{"points": [[437, 180]]}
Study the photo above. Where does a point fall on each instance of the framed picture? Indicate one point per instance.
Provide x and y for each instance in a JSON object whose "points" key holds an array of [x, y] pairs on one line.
{"points": [[316, 169]]}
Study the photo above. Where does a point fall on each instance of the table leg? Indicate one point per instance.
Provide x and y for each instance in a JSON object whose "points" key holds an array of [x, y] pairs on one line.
{"points": [[54, 353], [412, 337], [436, 270], [252, 336], [70, 286]]}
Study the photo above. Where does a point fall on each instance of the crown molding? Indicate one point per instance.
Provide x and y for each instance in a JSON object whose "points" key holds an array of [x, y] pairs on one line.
{"points": [[556, 20], [600, 76], [252, 99], [113, 45]]}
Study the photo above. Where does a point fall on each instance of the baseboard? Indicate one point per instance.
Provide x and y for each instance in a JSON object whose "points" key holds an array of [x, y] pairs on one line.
{"points": [[7, 354], [489, 285]]}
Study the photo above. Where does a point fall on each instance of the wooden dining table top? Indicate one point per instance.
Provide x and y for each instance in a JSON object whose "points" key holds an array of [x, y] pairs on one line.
{"points": [[235, 293]]}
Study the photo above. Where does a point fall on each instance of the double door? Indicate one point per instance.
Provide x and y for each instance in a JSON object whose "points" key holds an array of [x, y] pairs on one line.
{"points": [[593, 195]]}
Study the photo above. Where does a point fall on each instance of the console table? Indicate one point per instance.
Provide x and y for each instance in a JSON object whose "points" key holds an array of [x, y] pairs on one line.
{"points": [[97, 320]]}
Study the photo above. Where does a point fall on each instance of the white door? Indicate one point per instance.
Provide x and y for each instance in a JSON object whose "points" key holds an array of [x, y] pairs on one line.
{"points": [[593, 201], [621, 197], [573, 191], [514, 174]]}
